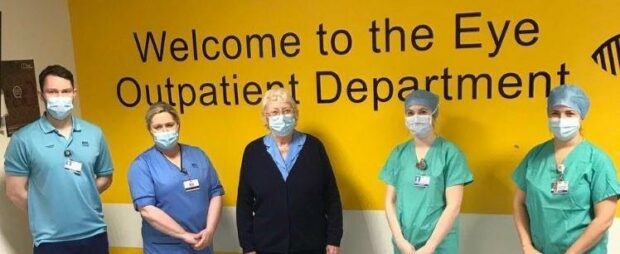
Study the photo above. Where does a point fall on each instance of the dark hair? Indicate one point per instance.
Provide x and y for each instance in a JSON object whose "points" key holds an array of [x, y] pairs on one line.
{"points": [[55, 70]]}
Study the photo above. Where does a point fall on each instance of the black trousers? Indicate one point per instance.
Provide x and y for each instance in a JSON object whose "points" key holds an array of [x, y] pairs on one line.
{"points": [[97, 244], [296, 252]]}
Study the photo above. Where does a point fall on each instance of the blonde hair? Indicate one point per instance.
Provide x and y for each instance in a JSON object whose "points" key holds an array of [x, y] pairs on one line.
{"points": [[276, 94], [160, 107]]}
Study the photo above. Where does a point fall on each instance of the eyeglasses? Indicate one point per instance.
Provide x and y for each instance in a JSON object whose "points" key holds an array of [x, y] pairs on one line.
{"points": [[276, 112]]}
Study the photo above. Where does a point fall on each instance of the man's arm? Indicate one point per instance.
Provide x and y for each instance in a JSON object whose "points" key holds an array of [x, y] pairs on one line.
{"points": [[17, 191], [103, 182]]}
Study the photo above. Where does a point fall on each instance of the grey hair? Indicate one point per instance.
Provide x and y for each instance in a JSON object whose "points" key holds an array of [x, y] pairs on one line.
{"points": [[278, 94]]}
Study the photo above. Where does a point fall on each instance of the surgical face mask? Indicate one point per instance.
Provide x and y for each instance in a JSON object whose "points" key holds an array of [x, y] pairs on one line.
{"points": [[564, 128], [166, 140], [282, 125], [59, 107], [419, 125]]}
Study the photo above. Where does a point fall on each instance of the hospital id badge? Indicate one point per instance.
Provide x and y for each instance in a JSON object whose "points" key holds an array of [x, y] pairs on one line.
{"points": [[422, 181], [74, 166], [559, 187], [191, 185]]}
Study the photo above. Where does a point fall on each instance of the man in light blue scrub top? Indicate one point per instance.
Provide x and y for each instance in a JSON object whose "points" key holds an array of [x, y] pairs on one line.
{"points": [[56, 167]]}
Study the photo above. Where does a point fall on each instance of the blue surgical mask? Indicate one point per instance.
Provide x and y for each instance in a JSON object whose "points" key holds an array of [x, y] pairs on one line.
{"points": [[282, 125], [564, 128], [59, 107], [419, 125], [166, 140]]}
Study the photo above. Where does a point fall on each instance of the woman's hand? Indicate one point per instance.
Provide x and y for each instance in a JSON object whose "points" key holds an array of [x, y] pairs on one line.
{"points": [[530, 250], [189, 238], [405, 247], [204, 239], [331, 249], [425, 250]]}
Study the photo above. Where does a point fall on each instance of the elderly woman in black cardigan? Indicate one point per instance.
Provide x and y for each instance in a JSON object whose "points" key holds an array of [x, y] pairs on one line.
{"points": [[288, 200]]}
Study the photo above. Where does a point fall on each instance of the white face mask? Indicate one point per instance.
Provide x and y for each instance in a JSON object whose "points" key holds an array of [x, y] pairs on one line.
{"points": [[282, 125], [419, 125], [59, 107], [564, 128], [166, 140]]}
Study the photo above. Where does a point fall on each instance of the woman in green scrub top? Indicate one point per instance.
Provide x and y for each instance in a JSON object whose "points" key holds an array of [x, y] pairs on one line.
{"points": [[425, 178], [567, 188]]}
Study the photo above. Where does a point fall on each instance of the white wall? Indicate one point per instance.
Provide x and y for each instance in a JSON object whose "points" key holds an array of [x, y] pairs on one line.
{"points": [[39, 30], [365, 232]]}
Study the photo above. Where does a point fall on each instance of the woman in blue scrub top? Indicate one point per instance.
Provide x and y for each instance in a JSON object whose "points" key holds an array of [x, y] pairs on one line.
{"points": [[425, 179], [176, 190], [567, 188]]}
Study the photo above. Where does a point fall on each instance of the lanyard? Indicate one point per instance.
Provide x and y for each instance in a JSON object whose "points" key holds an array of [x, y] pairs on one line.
{"points": [[561, 169]]}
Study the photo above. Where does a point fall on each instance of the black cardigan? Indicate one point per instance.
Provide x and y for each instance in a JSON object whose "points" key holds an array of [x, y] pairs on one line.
{"points": [[302, 214]]}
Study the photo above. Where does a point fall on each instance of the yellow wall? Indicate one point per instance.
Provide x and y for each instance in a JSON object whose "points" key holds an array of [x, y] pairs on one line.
{"points": [[494, 133]]}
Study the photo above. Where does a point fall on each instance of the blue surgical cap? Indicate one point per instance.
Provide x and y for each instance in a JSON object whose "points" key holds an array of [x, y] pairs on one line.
{"points": [[570, 96], [423, 98]]}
